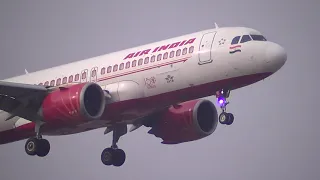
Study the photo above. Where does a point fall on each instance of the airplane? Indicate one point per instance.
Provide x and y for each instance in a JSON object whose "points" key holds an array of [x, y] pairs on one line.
{"points": [[161, 86]]}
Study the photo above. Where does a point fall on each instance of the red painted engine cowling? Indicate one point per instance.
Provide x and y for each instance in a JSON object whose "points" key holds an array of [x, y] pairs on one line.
{"points": [[73, 104], [189, 121]]}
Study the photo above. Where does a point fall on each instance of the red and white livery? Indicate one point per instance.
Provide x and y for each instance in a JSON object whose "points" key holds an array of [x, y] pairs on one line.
{"points": [[158, 85]]}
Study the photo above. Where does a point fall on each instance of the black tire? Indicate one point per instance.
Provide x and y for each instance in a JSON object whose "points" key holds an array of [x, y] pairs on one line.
{"points": [[43, 148], [107, 156], [31, 146], [223, 118], [119, 157], [230, 119]]}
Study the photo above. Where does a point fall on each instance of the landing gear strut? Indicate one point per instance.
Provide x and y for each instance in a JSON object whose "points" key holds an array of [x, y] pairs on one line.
{"points": [[224, 117], [37, 145], [113, 155]]}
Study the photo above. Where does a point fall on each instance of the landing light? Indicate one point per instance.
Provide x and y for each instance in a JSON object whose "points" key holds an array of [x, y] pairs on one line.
{"points": [[221, 100]]}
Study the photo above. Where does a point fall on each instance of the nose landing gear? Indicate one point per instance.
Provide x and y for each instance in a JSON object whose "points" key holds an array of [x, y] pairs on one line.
{"points": [[224, 117]]}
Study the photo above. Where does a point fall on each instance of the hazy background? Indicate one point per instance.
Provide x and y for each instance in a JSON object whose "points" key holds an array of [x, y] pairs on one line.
{"points": [[276, 129]]}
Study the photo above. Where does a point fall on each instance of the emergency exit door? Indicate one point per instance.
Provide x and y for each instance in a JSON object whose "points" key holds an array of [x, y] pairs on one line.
{"points": [[205, 54]]}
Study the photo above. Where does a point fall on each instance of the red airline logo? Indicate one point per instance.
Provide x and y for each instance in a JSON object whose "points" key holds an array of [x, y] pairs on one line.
{"points": [[160, 48]]}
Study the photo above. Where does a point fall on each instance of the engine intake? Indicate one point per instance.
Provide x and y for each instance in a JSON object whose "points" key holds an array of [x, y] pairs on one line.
{"points": [[72, 104], [189, 121]]}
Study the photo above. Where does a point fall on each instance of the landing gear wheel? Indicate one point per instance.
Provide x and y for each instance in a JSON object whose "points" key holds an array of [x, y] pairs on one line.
{"points": [[107, 156], [223, 118], [226, 118], [43, 148], [119, 157], [230, 119], [110, 156], [31, 146], [40, 147]]}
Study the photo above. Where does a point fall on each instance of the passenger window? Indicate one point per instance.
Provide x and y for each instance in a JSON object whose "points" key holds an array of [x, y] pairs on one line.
{"points": [[70, 79], [52, 83], [178, 52], [58, 82], [109, 69], [103, 71], [245, 38], [159, 57], [64, 81], [84, 75], [171, 54], [46, 83], [115, 68], [146, 60], [153, 58], [235, 40], [76, 78], [140, 62], [93, 74], [134, 63], [128, 65], [184, 51], [121, 66], [165, 55], [191, 49]]}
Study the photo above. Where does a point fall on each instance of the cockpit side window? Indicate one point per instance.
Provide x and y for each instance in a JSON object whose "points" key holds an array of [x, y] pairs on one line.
{"points": [[235, 40], [245, 38], [258, 38]]}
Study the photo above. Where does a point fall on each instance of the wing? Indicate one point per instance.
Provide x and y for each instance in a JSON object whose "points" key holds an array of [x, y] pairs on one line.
{"points": [[20, 99]]}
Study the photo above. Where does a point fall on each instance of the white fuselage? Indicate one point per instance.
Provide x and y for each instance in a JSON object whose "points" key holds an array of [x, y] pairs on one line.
{"points": [[205, 57]]}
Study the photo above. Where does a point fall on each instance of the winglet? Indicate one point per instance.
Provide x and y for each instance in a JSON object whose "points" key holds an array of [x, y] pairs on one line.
{"points": [[216, 25], [25, 70]]}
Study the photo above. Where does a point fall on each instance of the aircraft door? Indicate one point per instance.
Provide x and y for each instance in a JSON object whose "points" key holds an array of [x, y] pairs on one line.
{"points": [[205, 48], [84, 76], [93, 74]]}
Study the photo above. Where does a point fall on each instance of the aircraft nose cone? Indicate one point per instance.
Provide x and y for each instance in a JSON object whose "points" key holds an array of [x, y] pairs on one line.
{"points": [[276, 56]]}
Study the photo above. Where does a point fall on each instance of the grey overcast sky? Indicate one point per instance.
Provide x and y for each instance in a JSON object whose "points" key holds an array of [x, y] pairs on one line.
{"points": [[276, 130]]}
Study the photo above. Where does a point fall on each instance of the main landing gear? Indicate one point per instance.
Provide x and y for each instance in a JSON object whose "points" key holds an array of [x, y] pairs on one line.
{"points": [[224, 117], [113, 155], [37, 145]]}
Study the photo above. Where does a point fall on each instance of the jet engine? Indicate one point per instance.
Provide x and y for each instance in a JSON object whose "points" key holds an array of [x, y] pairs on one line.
{"points": [[188, 121], [73, 104]]}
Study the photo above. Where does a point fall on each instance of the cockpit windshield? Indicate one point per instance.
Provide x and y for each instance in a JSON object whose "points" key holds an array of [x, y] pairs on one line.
{"points": [[246, 38], [258, 37]]}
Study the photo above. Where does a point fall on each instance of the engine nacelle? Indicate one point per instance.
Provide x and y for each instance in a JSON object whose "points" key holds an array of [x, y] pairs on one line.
{"points": [[185, 122], [73, 104]]}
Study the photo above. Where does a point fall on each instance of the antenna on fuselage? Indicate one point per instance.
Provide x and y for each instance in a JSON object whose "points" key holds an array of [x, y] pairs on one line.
{"points": [[216, 25]]}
